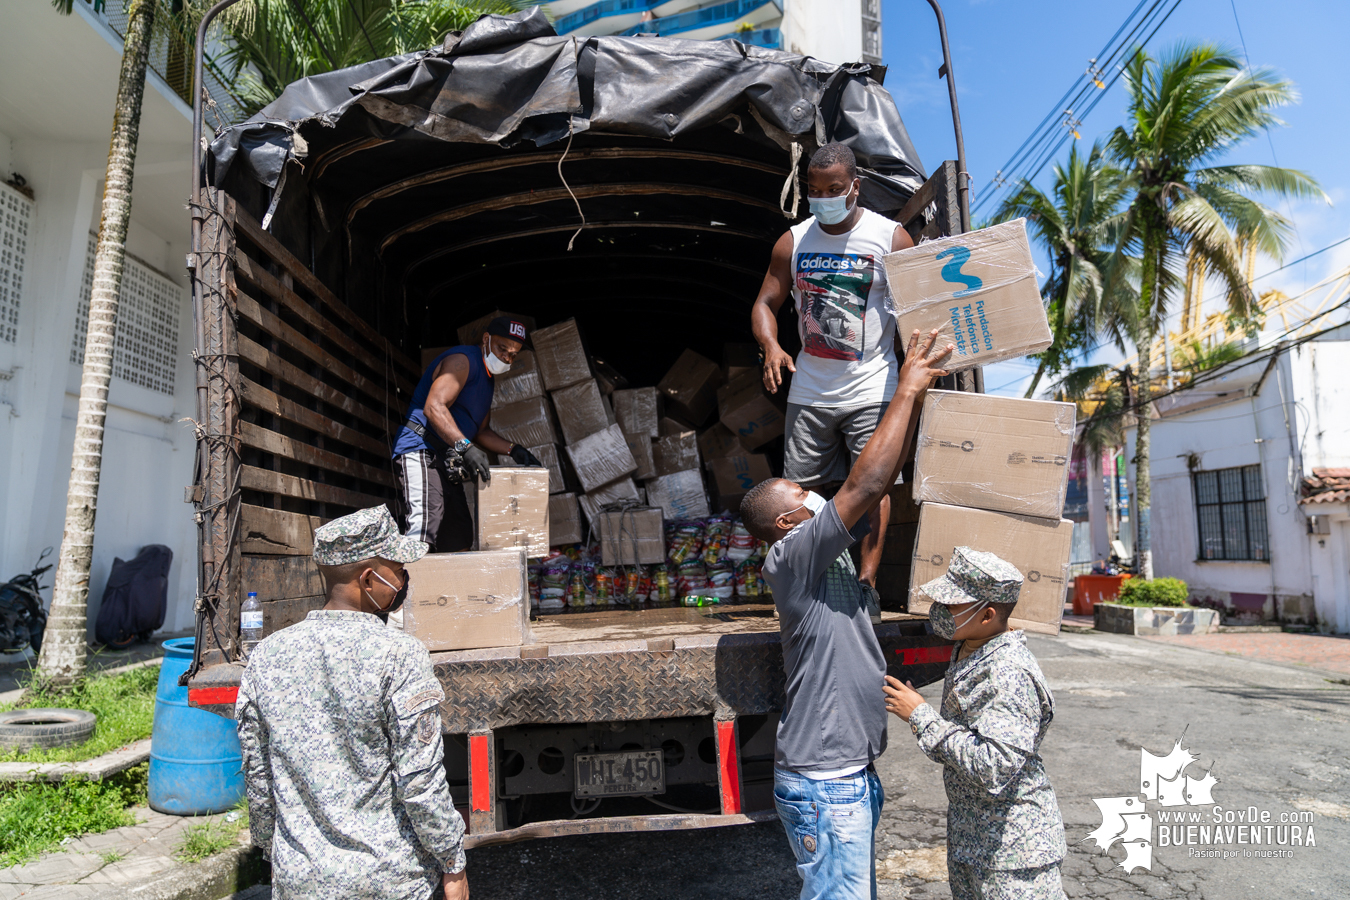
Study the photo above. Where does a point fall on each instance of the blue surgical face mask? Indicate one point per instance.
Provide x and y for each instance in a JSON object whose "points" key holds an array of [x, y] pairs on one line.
{"points": [[830, 210], [944, 622]]}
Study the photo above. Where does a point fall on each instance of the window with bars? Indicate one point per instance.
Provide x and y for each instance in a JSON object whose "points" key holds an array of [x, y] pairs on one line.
{"points": [[146, 347], [1230, 507], [16, 211]]}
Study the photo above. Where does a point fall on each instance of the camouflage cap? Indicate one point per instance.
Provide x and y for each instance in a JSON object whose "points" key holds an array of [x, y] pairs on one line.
{"points": [[365, 534], [975, 576]]}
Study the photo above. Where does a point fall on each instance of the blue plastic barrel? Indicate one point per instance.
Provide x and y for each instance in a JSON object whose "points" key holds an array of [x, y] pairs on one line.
{"points": [[195, 762]]}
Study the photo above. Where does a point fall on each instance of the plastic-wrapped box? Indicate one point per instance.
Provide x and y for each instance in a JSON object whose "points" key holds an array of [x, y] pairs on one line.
{"points": [[997, 453], [468, 601], [564, 520], [638, 410], [624, 532], [472, 332], [669, 425], [521, 382], [749, 412], [680, 495], [641, 447], [980, 289], [513, 510], [690, 387], [621, 491], [528, 422], [559, 476], [601, 458], [1039, 548], [582, 410], [561, 355], [734, 476], [718, 441], [676, 453]]}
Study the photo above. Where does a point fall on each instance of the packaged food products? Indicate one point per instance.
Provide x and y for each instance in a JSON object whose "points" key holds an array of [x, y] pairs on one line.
{"points": [[685, 541], [742, 544], [716, 538]]}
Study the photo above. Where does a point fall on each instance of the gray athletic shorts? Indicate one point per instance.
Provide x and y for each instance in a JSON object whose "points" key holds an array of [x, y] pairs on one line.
{"points": [[824, 441]]}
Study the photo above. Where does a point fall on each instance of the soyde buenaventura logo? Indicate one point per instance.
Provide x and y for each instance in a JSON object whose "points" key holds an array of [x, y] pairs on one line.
{"points": [[1187, 815]]}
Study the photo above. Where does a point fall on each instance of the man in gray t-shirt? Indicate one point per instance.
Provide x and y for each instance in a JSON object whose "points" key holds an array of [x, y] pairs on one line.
{"points": [[833, 723]]}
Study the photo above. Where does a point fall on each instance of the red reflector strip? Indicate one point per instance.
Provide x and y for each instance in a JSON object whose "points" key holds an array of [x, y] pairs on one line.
{"points": [[480, 781], [213, 696], [917, 656], [729, 767]]}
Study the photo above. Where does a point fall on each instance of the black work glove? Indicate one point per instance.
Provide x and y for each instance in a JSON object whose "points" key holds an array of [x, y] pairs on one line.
{"points": [[455, 469], [523, 457], [476, 465]]}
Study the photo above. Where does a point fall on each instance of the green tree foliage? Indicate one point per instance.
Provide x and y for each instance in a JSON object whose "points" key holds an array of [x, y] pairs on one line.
{"points": [[271, 43], [1187, 109]]}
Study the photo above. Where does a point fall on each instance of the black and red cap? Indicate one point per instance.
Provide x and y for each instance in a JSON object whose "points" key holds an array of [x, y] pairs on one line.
{"points": [[512, 328]]}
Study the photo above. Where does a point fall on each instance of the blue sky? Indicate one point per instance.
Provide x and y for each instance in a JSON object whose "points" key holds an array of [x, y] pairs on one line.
{"points": [[1015, 58]]}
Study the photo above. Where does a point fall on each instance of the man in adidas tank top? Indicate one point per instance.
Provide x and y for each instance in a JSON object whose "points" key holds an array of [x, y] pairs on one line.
{"points": [[847, 368]]}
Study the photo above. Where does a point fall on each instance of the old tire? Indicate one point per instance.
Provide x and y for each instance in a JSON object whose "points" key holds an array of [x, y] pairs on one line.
{"points": [[29, 729]]}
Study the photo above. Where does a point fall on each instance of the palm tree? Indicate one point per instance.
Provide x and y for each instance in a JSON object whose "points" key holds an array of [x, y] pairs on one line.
{"points": [[275, 42], [62, 658], [1073, 225], [1186, 110]]}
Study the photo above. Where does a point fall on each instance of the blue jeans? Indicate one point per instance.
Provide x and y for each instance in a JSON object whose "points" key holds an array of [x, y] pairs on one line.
{"points": [[831, 826]]}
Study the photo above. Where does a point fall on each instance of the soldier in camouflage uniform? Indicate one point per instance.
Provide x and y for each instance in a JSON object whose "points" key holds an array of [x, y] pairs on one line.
{"points": [[1005, 835], [341, 735]]}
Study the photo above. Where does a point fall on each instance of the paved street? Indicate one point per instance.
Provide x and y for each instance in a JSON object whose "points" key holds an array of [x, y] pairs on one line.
{"points": [[1276, 735]]}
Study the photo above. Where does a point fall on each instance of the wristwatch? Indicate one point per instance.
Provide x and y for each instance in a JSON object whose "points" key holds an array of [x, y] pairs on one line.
{"points": [[462, 445]]}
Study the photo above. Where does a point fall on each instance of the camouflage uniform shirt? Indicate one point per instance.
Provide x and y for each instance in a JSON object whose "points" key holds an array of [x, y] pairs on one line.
{"points": [[340, 730], [996, 708]]}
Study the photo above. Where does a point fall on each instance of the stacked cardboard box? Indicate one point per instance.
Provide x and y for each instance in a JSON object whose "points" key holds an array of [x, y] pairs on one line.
{"points": [[991, 473], [466, 601]]}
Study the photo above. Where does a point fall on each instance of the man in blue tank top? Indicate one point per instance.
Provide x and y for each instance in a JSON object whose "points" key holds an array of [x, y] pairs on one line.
{"points": [[447, 431]]}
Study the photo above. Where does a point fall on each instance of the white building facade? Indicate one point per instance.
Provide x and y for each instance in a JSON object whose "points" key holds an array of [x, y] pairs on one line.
{"points": [[1230, 458], [55, 122], [837, 31]]}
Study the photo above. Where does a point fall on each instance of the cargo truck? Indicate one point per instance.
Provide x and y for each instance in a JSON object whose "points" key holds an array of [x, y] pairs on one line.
{"points": [[634, 183]]}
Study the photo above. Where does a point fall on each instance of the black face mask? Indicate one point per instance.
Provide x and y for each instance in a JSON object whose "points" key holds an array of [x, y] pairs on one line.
{"points": [[400, 595]]}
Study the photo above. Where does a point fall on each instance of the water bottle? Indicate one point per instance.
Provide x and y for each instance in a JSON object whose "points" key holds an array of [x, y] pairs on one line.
{"points": [[699, 600], [250, 623]]}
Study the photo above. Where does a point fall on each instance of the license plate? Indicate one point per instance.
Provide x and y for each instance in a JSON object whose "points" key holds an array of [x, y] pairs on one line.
{"points": [[616, 774]]}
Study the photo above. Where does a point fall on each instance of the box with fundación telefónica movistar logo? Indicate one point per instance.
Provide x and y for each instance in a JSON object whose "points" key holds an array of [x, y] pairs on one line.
{"points": [[980, 290]]}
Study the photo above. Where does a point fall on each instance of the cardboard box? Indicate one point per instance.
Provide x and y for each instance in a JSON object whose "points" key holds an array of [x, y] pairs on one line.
{"points": [[564, 520], [607, 377], [980, 289], [521, 381], [513, 510], [561, 355], [641, 446], [623, 490], [690, 387], [601, 458], [472, 332], [1039, 548], [737, 359], [528, 423], [680, 495], [582, 410], [638, 410], [734, 476], [996, 453], [623, 532], [717, 442], [676, 453], [749, 412], [468, 601], [560, 477], [670, 425]]}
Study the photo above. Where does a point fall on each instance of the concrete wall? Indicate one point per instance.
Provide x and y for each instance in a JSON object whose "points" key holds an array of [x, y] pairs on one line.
{"points": [[831, 31]]}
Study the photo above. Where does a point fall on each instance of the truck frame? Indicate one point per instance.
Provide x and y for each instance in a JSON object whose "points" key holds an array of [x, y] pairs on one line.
{"points": [[298, 392]]}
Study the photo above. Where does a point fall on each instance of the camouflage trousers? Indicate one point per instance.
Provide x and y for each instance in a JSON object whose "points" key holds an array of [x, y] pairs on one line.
{"points": [[970, 883]]}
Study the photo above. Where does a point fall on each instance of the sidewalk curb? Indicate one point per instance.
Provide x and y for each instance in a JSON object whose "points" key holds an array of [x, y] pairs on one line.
{"points": [[226, 873]]}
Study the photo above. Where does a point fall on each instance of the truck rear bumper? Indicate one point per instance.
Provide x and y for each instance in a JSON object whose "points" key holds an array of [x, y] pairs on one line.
{"points": [[614, 825]]}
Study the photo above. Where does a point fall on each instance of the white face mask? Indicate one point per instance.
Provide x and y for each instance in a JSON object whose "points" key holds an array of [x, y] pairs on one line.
{"points": [[814, 504], [495, 365]]}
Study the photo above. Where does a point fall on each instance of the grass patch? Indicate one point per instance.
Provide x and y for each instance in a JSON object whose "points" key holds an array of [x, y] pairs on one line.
{"points": [[124, 704], [35, 818], [112, 856], [209, 838]]}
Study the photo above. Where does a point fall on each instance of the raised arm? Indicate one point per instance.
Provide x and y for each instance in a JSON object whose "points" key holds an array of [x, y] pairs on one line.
{"points": [[874, 472], [764, 314]]}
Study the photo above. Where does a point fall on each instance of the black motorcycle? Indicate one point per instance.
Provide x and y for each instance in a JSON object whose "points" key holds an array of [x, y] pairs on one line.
{"points": [[22, 618]]}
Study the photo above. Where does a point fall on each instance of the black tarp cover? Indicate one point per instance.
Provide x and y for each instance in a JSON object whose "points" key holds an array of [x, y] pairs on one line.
{"points": [[512, 79]]}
